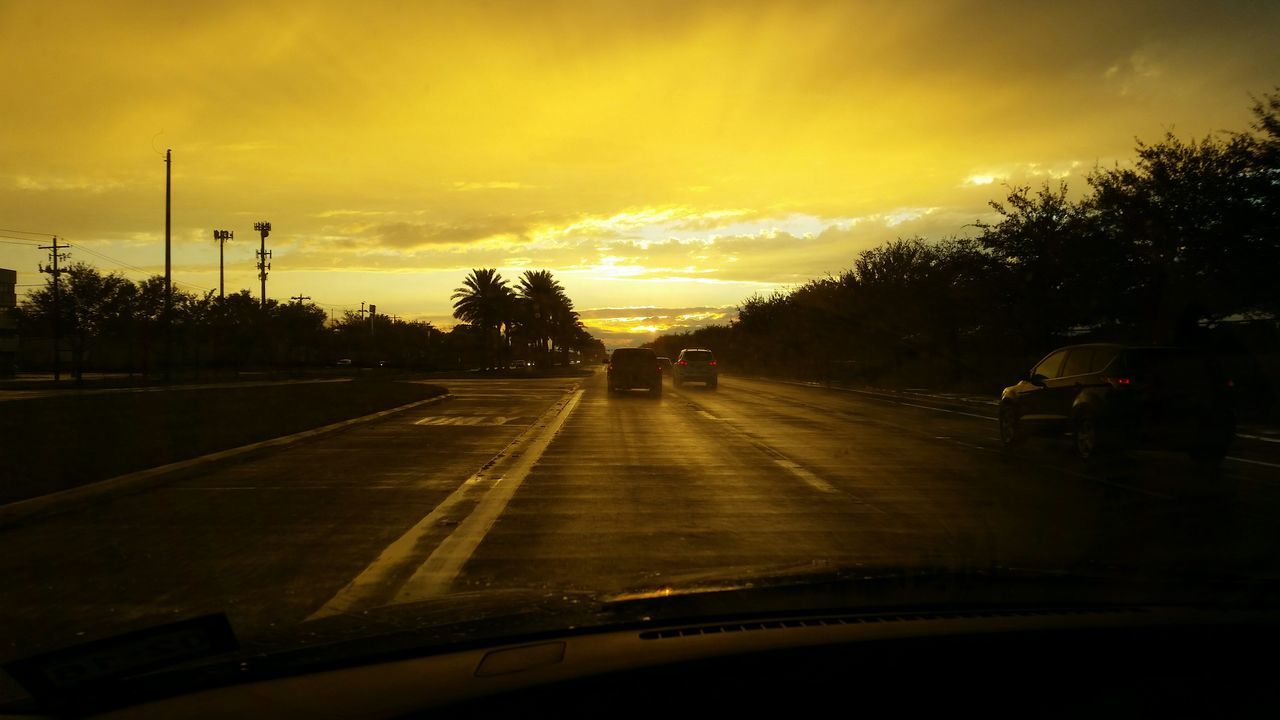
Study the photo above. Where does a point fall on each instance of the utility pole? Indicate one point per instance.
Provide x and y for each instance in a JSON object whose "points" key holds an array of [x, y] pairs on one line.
{"points": [[168, 270], [264, 256], [222, 236], [362, 310], [300, 297], [52, 269], [373, 312]]}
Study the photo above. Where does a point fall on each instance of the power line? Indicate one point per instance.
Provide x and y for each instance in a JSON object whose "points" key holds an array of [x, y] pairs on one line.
{"points": [[26, 232], [101, 255], [135, 268], [108, 258]]}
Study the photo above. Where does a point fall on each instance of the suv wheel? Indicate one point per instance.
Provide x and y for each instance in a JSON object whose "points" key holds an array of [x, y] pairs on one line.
{"points": [[1208, 455], [1011, 431], [1210, 452], [1087, 440]]}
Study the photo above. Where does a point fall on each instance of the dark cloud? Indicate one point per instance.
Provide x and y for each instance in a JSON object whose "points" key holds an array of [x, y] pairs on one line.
{"points": [[403, 235], [380, 157]]}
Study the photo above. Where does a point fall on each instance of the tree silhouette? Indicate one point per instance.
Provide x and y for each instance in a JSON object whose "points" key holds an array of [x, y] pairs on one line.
{"points": [[1180, 246], [546, 318], [484, 301]]}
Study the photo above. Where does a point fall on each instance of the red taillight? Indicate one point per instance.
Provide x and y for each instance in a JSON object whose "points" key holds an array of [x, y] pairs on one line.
{"points": [[1120, 381], [659, 368], [610, 366], [713, 362], [682, 362]]}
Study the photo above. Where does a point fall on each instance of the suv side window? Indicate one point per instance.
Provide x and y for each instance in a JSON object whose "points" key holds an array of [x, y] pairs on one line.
{"points": [[1078, 362], [1101, 359], [1050, 366]]}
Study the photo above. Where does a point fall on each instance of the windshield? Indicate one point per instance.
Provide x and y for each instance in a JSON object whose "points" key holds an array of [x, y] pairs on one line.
{"points": [[313, 315]]}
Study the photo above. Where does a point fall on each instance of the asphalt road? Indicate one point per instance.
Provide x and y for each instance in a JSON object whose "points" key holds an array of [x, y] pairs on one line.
{"points": [[558, 484]]}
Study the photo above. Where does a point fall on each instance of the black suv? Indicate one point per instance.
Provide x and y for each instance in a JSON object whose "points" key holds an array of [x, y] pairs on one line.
{"points": [[1117, 396], [635, 368]]}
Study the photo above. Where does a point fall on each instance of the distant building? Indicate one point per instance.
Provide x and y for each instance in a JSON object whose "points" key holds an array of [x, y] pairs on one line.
{"points": [[8, 321]]}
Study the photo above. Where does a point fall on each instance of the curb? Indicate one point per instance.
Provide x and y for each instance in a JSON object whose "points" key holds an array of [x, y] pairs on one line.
{"points": [[969, 408], [56, 502], [957, 405]]}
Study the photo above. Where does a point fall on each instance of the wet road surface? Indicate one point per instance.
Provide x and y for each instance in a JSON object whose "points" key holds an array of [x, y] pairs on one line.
{"points": [[559, 484]]}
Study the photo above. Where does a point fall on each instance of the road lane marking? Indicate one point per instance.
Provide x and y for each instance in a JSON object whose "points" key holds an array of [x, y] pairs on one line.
{"points": [[878, 396], [947, 439], [372, 581], [372, 578], [953, 412], [881, 397], [464, 420], [1258, 437], [777, 457], [436, 574], [1253, 462], [301, 488], [510, 396], [799, 471]]}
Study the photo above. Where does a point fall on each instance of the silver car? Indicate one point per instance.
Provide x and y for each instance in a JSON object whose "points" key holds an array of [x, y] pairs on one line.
{"points": [[695, 365]]}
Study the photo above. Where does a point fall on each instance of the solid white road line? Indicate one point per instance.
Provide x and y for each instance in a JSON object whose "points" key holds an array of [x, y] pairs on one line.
{"points": [[1258, 437], [369, 581], [435, 575], [1253, 462], [373, 579]]}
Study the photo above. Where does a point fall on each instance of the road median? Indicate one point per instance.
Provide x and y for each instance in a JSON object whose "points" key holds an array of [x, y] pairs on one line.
{"points": [[120, 442]]}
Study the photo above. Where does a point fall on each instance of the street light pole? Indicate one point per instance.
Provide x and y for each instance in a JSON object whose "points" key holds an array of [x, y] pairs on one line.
{"points": [[55, 256], [263, 256], [222, 236], [168, 272]]}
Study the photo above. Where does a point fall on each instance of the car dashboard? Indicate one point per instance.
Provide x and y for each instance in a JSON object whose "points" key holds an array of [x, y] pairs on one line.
{"points": [[1135, 661]]}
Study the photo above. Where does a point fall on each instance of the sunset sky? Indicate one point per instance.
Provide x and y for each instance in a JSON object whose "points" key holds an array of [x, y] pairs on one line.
{"points": [[664, 160]]}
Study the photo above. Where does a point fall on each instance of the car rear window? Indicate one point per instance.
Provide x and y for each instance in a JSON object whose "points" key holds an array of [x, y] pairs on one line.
{"points": [[1171, 364], [699, 355], [1100, 359], [634, 356]]}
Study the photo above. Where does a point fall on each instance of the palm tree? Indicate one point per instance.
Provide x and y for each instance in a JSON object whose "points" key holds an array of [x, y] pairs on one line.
{"points": [[484, 300], [565, 326], [544, 301]]}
